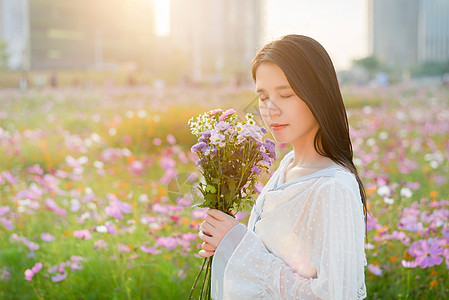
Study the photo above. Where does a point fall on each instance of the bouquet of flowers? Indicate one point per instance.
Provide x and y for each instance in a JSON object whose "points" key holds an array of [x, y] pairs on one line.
{"points": [[232, 157]]}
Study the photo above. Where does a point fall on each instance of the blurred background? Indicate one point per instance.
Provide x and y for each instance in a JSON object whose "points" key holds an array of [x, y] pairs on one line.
{"points": [[201, 41], [97, 178]]}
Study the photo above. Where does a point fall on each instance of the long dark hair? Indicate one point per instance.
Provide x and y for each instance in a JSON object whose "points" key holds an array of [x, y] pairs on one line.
{"points": [[311, 74]]}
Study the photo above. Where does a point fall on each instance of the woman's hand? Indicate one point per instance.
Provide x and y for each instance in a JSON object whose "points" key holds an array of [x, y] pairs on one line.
{"points": [[213, 229]]}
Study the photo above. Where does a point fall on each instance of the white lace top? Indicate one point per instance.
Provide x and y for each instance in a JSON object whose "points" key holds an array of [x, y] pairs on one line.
{"points": [[305, 240]]}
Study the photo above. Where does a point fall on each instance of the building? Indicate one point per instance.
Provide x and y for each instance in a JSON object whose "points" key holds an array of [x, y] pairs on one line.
{"points": [[433, 33], [215, 37], [14, 30], [208, 38], [403, 33], [54, 34]]}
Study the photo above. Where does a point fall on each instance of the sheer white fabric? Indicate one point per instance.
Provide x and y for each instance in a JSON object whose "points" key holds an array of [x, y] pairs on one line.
{"points": [[305, 240]]}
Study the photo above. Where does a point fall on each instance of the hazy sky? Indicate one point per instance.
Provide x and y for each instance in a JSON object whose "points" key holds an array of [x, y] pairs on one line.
{"points": [[341, 26]]}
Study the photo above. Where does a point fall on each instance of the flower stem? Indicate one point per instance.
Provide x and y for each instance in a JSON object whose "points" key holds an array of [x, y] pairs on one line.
{"points": [[196, 279]]}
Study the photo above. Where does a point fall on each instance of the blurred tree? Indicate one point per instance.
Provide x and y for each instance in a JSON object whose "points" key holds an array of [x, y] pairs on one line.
{"points": [[430, 68], [370, 63], [4, 56]]}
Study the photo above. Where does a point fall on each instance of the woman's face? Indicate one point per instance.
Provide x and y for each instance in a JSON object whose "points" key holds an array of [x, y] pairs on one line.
{"points": [[287, 117]]}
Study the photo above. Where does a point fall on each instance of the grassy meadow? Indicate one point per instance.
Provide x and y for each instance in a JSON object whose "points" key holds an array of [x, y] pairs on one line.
{"points": [[96, 186]]}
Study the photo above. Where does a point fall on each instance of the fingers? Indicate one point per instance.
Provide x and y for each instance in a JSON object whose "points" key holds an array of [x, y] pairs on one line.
{"points": [[217, 214], [208, 239], [207, 228], [204, 253], [208, 247]]}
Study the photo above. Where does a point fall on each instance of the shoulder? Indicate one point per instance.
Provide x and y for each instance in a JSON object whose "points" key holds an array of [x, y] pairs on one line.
{"points": [[340, 183]]}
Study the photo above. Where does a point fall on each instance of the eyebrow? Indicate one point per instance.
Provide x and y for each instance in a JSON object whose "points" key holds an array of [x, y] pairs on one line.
{"points": [[282, 87]]}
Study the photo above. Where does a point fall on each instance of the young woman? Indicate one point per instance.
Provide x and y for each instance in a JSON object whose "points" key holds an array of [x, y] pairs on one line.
{"points": [[305, 235]]}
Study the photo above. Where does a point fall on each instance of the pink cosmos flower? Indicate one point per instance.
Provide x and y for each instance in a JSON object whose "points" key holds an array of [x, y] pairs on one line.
{"points": [[199, 213], [82, 234], [100, 244], [117, 207], [51, 205], [409, 264], [375, 269], [226, 114], [167, 162], [111, 228], [168, 242], [446, 256], [171, 139], [240, 215], [29, 274], [137, 168], [149, 250], [124, 248], [427, 253], [185, 201], [7, 223], [9, 177], [35, 169], [168, 176], [157, 142], [46, 237]]}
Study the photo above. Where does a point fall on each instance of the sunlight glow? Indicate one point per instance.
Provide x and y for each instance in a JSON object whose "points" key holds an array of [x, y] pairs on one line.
{"points": [[162, 14]]}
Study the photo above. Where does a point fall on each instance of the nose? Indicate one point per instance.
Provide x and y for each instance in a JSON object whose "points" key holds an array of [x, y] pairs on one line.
{"points": [[272, 110]]}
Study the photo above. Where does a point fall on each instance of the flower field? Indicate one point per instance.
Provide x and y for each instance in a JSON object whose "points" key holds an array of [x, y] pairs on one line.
{"points": [[96, 187]]}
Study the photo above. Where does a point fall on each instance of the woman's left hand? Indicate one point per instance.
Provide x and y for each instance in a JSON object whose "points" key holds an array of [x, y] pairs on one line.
{"points": [[213, 229]]}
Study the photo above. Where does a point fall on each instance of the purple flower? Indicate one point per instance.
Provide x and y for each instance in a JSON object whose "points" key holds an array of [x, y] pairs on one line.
{"points": [[7, 223], [256, 171], [427, 253], [198, 147], [4, 210], [59, 277], [149, 250], [258, 187], [270, 146], [206, 134]]}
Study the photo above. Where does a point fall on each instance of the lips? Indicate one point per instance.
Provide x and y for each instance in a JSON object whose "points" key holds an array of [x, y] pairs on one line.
{"points": [[276, 126]]}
